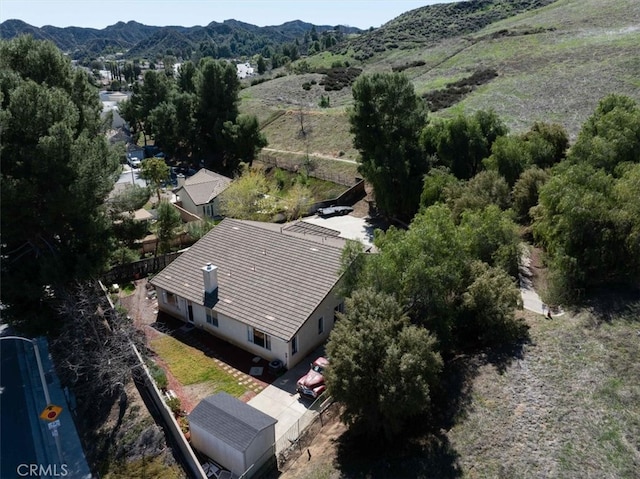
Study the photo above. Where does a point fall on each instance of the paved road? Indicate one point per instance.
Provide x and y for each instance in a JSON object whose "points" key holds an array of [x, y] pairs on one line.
{"points": [[131, 175]]}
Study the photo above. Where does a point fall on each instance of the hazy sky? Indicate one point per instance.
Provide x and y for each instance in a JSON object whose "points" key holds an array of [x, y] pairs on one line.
{"points": [[99, 14]]}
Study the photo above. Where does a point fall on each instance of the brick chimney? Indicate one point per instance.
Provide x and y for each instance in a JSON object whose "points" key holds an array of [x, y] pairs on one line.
{"points": [[210, 274]]}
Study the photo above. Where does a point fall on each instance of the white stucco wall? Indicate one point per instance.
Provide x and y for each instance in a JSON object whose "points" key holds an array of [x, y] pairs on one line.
{"points": [[219, 451], [236, 333]]}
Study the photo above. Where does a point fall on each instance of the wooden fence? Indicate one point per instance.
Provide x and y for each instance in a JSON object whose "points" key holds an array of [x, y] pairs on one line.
{"points": [[138, 269]]}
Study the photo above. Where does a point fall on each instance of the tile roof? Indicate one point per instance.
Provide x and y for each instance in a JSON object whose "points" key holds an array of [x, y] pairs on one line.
{"points": [[230, 420], [267, 279], [204, 186]]}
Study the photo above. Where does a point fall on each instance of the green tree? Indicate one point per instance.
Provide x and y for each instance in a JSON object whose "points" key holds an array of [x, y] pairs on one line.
{"points": [[243, 141], [491, 236], [509, 157], [262, 65], [464, 141], [548, 143], [386, 122], [575, 224], [155, 171], [57, 169], [489, 304], [382, 368], [611, 136], [525, 192], [167, 226], [217, 88], [437, 186], [484, 189]]}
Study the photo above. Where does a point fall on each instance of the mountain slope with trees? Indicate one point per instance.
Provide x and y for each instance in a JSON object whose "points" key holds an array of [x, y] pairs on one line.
{"points": [[228, 39]]}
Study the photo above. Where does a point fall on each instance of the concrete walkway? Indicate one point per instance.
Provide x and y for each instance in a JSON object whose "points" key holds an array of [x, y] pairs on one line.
{"points": [[280, 399], [530, 299]]}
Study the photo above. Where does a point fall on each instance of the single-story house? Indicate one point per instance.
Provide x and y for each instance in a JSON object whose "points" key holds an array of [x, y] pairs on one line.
{"points": [[237, 436], [198, 194], [255, 285]]}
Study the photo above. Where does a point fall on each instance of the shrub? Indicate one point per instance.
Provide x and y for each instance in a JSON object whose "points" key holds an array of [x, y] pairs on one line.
{"points": [[174, 404], [158, 375]]}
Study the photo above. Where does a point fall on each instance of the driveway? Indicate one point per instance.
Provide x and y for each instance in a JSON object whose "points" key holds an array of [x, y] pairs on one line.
{"points": [[280, 399], [349, 227]]}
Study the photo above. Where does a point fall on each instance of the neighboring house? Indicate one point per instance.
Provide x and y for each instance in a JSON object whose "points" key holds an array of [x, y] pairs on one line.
{"points": [[244, 70], [235, 435], [199, 193], [256, 286]]}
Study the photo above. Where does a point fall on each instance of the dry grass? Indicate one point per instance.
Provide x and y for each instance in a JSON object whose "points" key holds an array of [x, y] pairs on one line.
{"points": [[569, 408]]}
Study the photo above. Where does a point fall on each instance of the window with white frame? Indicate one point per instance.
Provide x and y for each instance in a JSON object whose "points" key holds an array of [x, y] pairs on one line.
{"points": [[259, 338], [336, 310], [212, 318], [321, 325], [294, 345]]}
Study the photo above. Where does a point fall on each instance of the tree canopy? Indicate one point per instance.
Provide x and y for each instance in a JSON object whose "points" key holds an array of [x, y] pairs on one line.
{"points": [[382, 367], [196, 115], [587, 214], [386, 122], [57, 169]]}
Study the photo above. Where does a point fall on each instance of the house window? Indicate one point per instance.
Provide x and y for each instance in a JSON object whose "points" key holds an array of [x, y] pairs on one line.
{"points": [[170, 298], [259, 338], [321, 325], [294, 345], [336, 310], [212, 318]]}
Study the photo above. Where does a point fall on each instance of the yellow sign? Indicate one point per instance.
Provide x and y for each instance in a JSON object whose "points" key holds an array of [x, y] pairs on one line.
{"points": [[51, 412]]}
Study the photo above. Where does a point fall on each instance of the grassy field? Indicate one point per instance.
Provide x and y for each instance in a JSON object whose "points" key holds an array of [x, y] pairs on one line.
{"points": [[191, 366], [570, 407]]}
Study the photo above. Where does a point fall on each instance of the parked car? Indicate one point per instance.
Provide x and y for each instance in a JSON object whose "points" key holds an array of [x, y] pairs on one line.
{"points": [[312, 384], [334, 211], [134, 162]]}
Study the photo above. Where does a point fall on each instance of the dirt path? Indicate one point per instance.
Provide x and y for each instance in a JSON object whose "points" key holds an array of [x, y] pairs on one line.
{"points": [[315, 155]]}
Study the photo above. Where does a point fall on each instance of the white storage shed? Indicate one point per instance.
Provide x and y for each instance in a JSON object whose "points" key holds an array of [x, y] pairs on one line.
{"points": [[235, 435]]}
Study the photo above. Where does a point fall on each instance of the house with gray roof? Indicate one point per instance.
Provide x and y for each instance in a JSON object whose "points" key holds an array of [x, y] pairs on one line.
{"points": [[257, 286], [237, 436], [199, 193]]}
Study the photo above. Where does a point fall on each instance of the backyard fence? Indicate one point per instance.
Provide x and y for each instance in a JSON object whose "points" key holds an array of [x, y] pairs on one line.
{"points": [[138, 269], [303, 431], [296, 165]]}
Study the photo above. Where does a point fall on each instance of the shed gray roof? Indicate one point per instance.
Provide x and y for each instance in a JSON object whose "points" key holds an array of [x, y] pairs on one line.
{"points": [[267, 279], [204, 186], [230, 420]]}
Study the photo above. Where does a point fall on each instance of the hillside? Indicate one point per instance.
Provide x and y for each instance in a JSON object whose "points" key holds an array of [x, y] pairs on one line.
{"points": [[431, 24], [553, 64], [231, 38]]}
